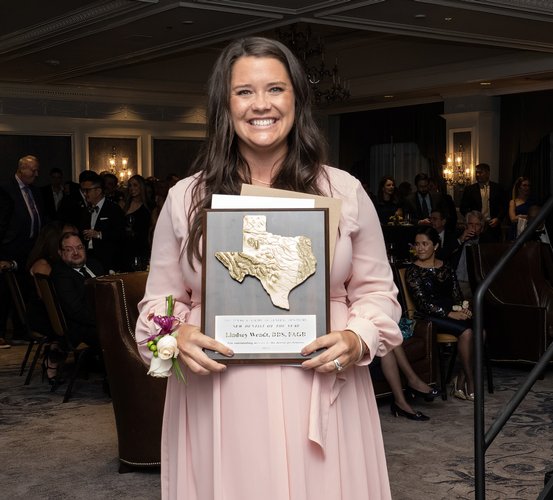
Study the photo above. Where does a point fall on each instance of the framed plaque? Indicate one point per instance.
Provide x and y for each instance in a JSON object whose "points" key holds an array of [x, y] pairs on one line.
{"points": [[265, 289]]}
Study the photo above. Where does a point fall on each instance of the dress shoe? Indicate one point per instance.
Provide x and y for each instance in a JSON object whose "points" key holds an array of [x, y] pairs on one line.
{"points": [[4, 344], [398, 412], [458, 393], [428, 396]]}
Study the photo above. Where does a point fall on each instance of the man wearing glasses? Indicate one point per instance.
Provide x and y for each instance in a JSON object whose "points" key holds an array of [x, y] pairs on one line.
{"points": [[101, 222], [68, 277]]}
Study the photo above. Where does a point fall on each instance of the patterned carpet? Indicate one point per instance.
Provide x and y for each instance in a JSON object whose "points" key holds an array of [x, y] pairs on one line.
{"points": [[51, 450]]}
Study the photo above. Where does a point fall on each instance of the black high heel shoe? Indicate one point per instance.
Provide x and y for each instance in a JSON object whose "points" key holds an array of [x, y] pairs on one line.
{"points": [[55, 380], [398, 412], [428, 396]]}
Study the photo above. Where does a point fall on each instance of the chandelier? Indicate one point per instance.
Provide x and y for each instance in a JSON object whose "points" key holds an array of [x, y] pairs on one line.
{"points": [[119, 166], [327, 84], [456, 171]]}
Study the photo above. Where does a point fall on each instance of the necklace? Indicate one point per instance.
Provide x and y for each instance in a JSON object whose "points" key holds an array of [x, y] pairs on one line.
{"points": [[260, 181]]}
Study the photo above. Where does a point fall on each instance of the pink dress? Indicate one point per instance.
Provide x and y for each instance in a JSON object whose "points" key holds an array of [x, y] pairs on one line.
{"points": [[278, 432]]}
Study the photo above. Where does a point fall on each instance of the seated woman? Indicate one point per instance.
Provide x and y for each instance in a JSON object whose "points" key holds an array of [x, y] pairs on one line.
{"points": [[435, 291], [391, 363], [387, 203]]}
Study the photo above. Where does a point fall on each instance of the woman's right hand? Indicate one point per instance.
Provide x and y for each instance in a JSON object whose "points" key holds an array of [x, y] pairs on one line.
{"points": [[460, 315], [192, 342]]}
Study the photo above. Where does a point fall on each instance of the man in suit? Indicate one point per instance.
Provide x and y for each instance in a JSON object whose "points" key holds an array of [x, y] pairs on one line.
{"points": [[22, 220], [421, 203], [486, 197], [68, 277], [448, 238], [475, 233], [101, 223], [52, 194]]}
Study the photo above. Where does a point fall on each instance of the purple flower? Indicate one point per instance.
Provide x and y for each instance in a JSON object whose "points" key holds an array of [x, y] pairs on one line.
{"points": [[166, 323]]}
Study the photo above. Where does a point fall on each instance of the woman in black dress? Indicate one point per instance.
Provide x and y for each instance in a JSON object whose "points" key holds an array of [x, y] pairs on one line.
{"points": [[437, 296], [136, 252], [387, 203]]}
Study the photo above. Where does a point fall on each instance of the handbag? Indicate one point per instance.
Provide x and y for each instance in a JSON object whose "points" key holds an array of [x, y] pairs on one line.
{"points": [[407, 327]]}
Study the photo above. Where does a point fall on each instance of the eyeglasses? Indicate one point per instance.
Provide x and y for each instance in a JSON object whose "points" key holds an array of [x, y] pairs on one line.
{"points": [[79, 248], [86, 190]]}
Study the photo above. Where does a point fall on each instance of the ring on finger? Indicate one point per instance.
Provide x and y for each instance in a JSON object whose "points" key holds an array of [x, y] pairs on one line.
{"points": [[338, 365]]}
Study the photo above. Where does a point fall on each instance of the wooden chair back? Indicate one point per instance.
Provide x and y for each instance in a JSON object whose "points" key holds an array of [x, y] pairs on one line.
{"points": [[53, 308]]}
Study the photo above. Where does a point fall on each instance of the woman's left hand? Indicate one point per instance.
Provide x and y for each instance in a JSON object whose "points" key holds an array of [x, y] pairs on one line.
{"points": [[341, 346]]}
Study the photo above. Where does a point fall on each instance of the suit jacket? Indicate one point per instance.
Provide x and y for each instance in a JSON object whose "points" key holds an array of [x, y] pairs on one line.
{"points": [[70, 290], [472, 200], [111, 222], [413, 206], [451, 243], [49, 204], [16, 241]]}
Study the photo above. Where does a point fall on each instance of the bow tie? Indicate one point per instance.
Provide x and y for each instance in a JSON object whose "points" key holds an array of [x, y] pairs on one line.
{"points": [[93, 209]]}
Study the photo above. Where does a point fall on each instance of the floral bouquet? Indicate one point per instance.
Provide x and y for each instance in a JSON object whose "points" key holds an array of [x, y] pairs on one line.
{"points": [[395, 220], [163, 344], [463, 307]]}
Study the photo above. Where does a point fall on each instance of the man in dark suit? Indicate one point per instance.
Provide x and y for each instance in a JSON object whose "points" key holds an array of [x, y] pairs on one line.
{"points": [[420, 204], [68, 277], [101, 223], [52, 194], [448, 238], [486, 197], [23, 219]]}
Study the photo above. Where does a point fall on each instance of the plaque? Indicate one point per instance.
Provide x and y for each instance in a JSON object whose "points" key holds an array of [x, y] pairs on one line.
{"points": [[265, 287]]}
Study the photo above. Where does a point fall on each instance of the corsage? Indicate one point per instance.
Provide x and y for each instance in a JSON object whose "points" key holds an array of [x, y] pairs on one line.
{"points": [[163, 344]]}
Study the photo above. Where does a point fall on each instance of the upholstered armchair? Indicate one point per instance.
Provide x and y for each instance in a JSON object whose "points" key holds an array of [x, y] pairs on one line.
{"points": [[138, 399], [518, 306]]}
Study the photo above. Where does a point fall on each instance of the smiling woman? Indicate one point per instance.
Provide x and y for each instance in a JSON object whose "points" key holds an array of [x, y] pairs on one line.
{"points": [[271, 431]]}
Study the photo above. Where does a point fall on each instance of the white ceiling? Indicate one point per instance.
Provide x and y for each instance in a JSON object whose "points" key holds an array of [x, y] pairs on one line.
{"points": [[161, 50]]}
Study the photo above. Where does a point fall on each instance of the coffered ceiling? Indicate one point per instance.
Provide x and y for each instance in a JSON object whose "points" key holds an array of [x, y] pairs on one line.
{"points": [[160, 51]]}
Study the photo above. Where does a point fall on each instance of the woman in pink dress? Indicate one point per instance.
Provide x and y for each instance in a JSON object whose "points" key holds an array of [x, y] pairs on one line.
{"points": [[250, 432]]}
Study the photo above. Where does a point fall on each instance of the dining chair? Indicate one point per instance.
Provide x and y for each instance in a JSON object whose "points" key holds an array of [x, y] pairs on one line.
{"points": [[33, 336], [59, 326]]}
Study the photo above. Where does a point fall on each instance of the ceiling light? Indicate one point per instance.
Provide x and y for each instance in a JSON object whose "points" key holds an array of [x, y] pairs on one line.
{"points": [[448, 19], [485, 84], [52, 62], [389, 96], [420, 16]]}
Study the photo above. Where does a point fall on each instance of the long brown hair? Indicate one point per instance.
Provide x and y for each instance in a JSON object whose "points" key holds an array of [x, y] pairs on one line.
{"points": [[222, 168]]}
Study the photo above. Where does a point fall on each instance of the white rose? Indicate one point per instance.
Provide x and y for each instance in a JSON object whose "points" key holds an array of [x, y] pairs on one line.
{"points": [[167, 347], [465, 304], [160, 367]]}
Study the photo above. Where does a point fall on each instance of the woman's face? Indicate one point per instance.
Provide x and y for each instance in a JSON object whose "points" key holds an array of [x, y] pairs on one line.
{"points": [[261, 104], [134, 188], [389, 187], [424, 247], [524, 188]]}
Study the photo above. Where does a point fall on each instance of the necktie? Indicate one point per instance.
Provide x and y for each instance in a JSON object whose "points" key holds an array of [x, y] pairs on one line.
{"points": [[85, 273], [35, 219], [424, 206]]}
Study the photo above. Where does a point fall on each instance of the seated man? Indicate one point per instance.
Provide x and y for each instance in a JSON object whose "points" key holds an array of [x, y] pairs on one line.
{"points": [[68, 277], [448, 239]]}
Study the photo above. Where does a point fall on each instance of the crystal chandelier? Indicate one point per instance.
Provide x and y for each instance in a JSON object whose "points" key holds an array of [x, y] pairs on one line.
{"points": [[456, 171], [327, 84], [119, 168]]}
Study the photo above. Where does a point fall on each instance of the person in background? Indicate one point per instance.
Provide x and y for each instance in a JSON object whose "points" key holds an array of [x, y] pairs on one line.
{"points": [[486, 197], [435, 291], [448, 205], [161, 190], [420, 203], [387, 203], [136, 243], [475, 233], [23, 220], [111, 189], [260, 130], [68, 276], [448, 238], [519, 204], [101, 223], [52, 194]]}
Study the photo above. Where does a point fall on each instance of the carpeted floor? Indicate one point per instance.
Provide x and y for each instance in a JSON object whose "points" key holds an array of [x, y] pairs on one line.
{"points": [[50, 450]]}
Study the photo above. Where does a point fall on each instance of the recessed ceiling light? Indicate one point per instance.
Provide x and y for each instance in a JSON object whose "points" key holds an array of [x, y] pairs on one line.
{"points": [[389, 96], [485, 84], [420, 16], [448, 19], [52, 62], [187, 22]]}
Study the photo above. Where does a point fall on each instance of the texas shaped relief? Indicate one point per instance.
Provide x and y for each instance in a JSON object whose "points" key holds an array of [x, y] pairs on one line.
{"points": [[280, 263]]}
